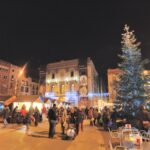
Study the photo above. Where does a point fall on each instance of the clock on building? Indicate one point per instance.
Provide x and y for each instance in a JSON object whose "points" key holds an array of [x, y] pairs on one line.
{"points": [[83, 80]]}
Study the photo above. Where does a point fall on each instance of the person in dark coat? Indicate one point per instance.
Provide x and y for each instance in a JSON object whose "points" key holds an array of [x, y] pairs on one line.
{"points": [[77, 119], [86, 112], [114, 116], [36, 116], [52, 117], [143, 118], [14, 115], [82, 117], [5, 115]]}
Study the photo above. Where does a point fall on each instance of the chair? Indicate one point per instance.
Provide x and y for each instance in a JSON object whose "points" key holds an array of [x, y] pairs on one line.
{"points": [[135, 131], [145, 135], [114, 134], [130, 131], [116, 147]]}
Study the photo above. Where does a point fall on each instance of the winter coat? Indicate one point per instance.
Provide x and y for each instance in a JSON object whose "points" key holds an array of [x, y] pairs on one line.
{"points": [[52, 114], [72, 118], [63, 116], [95, 114], [77, 117], [5, 113]]}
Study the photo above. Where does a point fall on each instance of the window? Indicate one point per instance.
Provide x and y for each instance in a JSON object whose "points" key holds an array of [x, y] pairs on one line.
{"points": [[27, 90], [5, 77], [11, 85], [12, 77], [53, 76], [22, 89], [72, 73], [37, 88]]}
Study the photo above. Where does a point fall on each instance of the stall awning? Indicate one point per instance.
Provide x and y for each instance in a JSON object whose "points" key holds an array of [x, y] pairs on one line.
{"points": [[47, 101], [26, 98], [38, 100], [10, 100]]}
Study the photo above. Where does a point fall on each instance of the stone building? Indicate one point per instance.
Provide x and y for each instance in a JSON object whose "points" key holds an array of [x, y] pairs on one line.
{"points": [[72, 81], [112, 76], [14, 83], [4, 78]]}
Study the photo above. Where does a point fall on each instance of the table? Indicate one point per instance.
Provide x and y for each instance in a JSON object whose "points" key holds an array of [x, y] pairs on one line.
{"points": [[129, 140], [132, 146]]}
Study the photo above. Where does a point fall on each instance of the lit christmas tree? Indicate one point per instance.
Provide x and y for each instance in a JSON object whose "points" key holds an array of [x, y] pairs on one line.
{"points": [[130, 87]]}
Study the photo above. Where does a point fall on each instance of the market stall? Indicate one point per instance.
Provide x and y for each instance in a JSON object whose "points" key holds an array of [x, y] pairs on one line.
{"points": [[28, 101]]}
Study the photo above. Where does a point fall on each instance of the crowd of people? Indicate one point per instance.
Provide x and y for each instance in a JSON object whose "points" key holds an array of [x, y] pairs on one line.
{"points": [[68, 118], [24, 116], [72, 119]]}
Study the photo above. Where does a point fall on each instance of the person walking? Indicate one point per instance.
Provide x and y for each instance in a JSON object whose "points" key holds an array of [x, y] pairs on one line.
{"points": [[5, 115], [14, 115], [71, 118], [143, 118], [27, 122], [44, 113], [52, 117], [91, 117], [77, 120], [86, 112], [95, 115], [36, 116], [82, 117], [63, 117]]}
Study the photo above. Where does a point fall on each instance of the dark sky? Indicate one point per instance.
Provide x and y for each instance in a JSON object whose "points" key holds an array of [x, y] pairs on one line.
{"points": [[40, 32]]}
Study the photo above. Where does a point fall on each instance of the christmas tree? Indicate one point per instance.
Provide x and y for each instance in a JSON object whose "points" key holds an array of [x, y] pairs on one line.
{"points": [[130, 87]]}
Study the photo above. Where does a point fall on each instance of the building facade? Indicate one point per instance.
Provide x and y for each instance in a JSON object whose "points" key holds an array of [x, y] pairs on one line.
{"points": [[12, 83], [112, 77], [4, 77], [27, 87], [72, 81]]}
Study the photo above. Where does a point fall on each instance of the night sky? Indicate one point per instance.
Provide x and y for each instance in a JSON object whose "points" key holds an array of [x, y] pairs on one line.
{"points": [[41, 32]]}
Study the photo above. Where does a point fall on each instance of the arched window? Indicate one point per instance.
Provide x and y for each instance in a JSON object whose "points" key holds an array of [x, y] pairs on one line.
{"points": [[72, 73], [53, 75]]}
